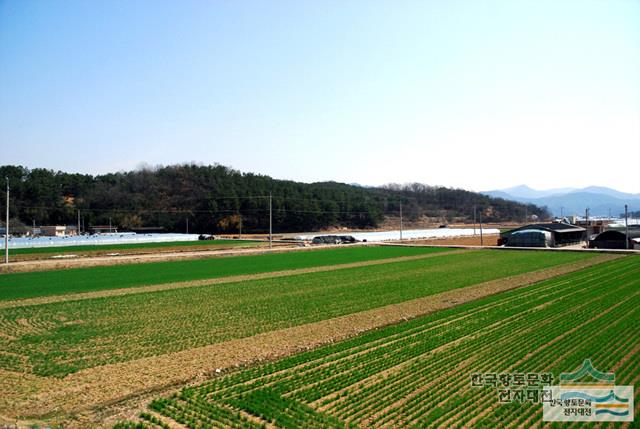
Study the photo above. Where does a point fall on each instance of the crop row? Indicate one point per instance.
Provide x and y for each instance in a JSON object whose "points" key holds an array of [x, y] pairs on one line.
{"points": [[48, 283], [417, 373], [60, 338]]}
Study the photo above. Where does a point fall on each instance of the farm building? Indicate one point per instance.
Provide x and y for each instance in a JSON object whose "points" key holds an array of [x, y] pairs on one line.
{"points": [[594, 226], [544, 235], [615, 239], [57, 230]]}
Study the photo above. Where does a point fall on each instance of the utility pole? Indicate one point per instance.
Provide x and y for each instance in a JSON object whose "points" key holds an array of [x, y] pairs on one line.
{"points": [[561, 212], [400, 220], [626, 227], [187, 225], [586, 223], [270, 221], [481, 239], [240, 226], [109, 224], [474, 219], [33, 231], [78, 227], [6, 228]]}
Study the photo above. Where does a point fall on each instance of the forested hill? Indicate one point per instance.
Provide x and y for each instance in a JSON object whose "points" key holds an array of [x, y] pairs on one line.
{"points": [[217, 198]]}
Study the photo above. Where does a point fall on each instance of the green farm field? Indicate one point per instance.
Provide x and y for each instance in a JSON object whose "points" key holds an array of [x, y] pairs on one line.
{"points": [[93, 327], [418, 373], [47, 283], [64, 337]]}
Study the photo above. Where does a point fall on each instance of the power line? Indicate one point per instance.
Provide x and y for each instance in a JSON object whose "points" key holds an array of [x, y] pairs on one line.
{"points": [[322, 211], [170, 211]]}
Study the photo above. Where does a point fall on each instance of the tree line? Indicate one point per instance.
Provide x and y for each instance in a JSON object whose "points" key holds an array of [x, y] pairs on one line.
{"points": [[218, 199]]}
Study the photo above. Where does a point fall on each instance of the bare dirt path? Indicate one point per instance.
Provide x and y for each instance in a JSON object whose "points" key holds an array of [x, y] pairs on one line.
{"points": [[107, 393], [214, 281]]}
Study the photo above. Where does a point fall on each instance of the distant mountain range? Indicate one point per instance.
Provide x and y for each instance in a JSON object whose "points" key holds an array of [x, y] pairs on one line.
{"points": [[569, 201]]}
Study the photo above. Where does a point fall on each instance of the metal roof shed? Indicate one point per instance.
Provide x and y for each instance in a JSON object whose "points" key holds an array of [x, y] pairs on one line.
{"points": [[530, 238], [562, 234], [614, 239]]}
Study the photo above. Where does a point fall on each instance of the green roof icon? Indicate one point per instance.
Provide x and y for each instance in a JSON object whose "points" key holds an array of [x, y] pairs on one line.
{"points": [[587, 369]]}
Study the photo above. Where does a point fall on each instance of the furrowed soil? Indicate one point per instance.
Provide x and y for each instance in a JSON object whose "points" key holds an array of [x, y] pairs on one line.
{"points": [[487, 240]]}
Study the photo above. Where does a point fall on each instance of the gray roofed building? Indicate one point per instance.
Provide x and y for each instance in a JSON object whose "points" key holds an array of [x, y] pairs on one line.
{"points": [[544, 235], [615, 239]]}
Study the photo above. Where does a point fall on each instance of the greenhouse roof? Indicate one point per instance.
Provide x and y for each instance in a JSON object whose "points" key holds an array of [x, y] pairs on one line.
{"points": [[554, 227]]}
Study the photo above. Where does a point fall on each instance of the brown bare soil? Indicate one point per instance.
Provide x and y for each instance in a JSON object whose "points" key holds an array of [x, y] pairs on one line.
{"points": [[105, 394], [487, 240], [209, 282], [393, 222]]}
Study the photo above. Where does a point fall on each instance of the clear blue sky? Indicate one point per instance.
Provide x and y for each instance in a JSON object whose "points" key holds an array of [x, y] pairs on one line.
{"points": [[473, 94]]}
